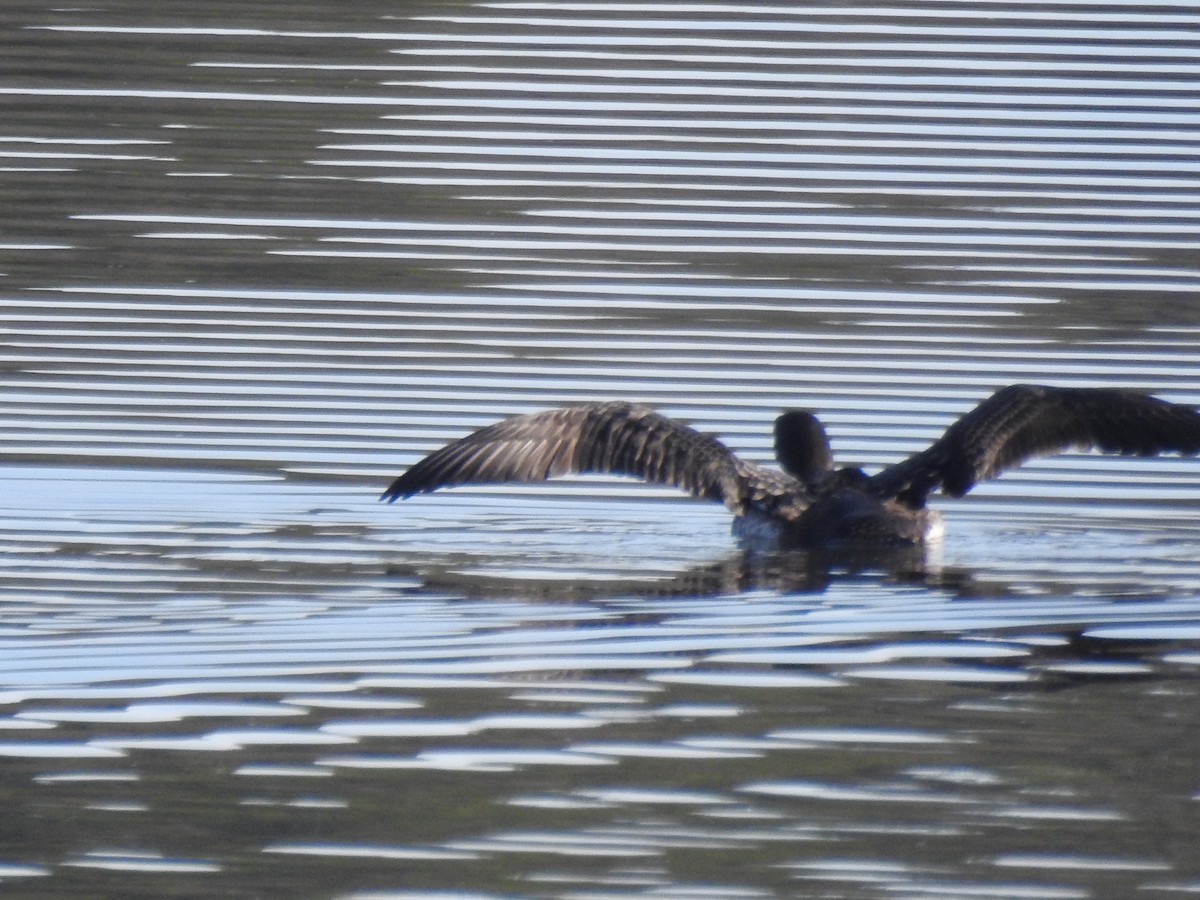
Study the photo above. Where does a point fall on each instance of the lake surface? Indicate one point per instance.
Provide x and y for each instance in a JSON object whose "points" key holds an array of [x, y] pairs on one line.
{"points": [[256, 260]]}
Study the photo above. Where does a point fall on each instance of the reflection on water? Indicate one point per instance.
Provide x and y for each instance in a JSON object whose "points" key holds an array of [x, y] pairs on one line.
{"points": [[274, 257], [270, 696]]}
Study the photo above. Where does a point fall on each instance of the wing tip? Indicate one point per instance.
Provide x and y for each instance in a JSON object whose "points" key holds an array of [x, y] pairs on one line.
{"points": [[397, 490]]}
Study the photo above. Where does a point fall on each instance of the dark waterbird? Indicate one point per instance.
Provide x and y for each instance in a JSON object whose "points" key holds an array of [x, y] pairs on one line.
{"points": [[810, 503]]}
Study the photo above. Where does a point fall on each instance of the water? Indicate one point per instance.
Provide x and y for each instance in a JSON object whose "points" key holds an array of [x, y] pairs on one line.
{"points": [[256, 261]]}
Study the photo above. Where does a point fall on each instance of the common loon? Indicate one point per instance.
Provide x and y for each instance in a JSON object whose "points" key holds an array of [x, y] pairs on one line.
{"points": [[810, 503]]}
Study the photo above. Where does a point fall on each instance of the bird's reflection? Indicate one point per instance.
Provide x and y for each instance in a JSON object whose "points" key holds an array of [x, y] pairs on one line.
{"points": [[1049, 658], [743, 571]]}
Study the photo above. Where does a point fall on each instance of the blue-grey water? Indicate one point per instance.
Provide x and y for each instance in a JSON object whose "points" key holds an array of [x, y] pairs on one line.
{"points": [[255, 259]]}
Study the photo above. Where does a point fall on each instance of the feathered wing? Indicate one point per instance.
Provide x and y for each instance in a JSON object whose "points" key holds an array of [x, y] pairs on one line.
{"points": [[1024, 420], [617, 438]]}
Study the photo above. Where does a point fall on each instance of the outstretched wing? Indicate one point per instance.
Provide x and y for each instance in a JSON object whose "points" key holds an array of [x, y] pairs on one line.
{"points": [[618, 438], [1027, 420]]}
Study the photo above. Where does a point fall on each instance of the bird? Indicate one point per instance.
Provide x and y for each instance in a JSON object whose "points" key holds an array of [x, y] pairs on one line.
{"points": [[808, 501]]}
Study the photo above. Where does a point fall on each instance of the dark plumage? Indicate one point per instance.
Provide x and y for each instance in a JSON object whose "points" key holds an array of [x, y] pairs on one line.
{"points": [[810, 503]]}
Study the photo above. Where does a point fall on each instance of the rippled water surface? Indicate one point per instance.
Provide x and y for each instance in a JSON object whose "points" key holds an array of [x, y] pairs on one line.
{"points": [[255, 260]]}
